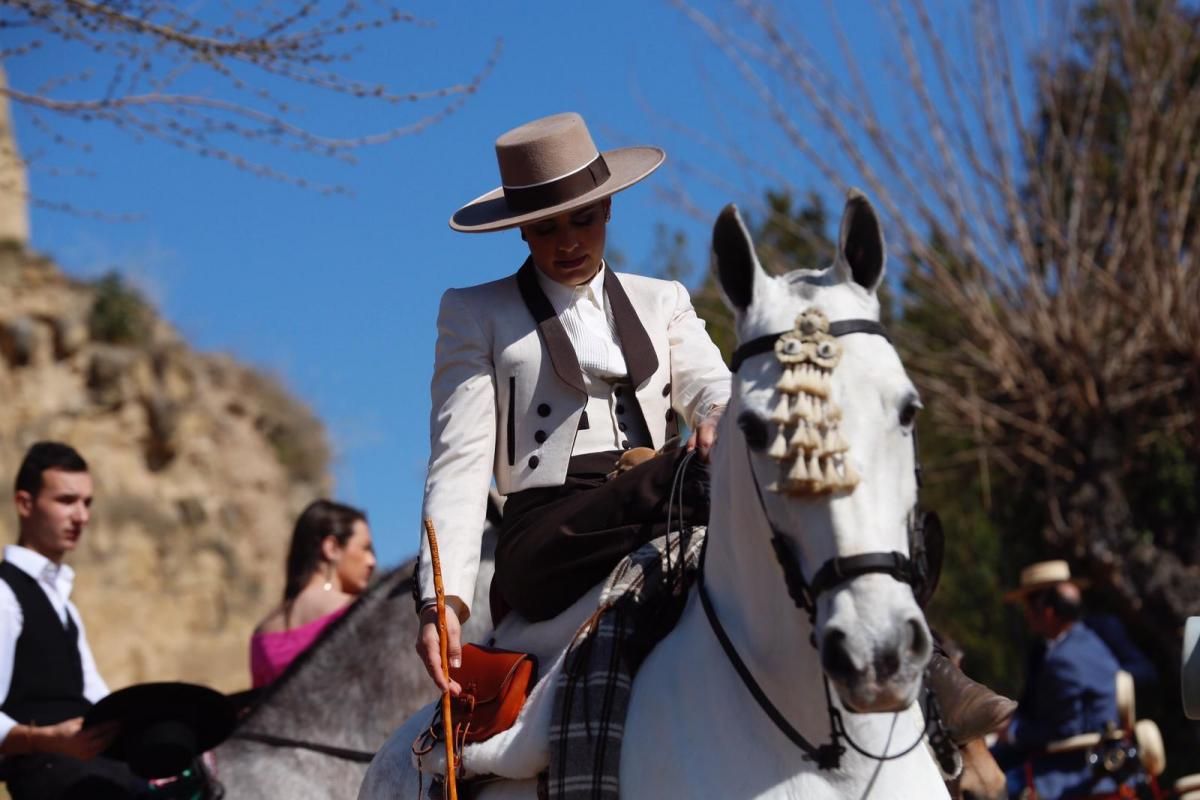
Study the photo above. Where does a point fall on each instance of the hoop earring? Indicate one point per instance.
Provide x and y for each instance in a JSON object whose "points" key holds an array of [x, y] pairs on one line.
{"points": [[328, 585]]}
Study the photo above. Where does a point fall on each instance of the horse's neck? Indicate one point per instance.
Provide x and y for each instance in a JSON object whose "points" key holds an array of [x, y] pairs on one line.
{"points": [[748, 592]]}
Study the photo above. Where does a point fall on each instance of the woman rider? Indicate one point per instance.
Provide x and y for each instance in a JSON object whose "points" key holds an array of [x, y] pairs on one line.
{"points": [[544, 378]]}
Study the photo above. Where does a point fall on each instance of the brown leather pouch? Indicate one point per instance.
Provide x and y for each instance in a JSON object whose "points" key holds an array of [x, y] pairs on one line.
{"points": [[494, 684]]}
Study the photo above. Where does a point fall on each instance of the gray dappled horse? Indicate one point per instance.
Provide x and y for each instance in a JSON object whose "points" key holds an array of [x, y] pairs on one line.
{"points": [[347, 692]]}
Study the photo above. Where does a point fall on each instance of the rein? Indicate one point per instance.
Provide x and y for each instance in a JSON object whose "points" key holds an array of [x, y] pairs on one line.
{"points": [[358, 756], [804, 594]]}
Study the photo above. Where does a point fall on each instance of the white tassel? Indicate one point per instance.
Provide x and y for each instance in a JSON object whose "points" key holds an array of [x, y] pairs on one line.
{"points": [[821, 383], [780, 414], [787, 381], [799, 408], [798, 473], [779, 448], [818, 415], [799, 439], [831, 476], [813, 380], [849, 476]]}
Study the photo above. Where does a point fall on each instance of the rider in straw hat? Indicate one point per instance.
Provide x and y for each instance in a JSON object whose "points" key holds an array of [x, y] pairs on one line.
{"points": [[544, 378], [1070, 685], [1042, 575]]}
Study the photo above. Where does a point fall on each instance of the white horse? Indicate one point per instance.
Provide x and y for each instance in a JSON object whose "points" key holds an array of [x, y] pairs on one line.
{"points": [[833, 500]]}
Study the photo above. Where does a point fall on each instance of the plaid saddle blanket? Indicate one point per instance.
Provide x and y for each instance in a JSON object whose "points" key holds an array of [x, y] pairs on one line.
{"points": [[640, 603]]}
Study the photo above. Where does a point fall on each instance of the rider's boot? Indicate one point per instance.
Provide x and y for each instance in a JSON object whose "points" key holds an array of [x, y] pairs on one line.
{"points": [[969, 709]]}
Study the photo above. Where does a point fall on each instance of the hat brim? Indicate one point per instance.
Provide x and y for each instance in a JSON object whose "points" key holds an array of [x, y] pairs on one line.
{"points": [[490, 212], [209, 714], [1017, 595]]}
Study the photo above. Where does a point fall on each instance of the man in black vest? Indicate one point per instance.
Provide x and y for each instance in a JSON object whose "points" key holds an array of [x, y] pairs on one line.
{"points": [[48, 677]]}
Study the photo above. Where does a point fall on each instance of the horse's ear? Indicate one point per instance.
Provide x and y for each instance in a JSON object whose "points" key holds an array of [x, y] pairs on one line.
{"points": [[734, 259], [861, 251]]}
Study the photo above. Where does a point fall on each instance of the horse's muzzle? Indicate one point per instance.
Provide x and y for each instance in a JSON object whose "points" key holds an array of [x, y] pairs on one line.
{"points": [[877, 672]]}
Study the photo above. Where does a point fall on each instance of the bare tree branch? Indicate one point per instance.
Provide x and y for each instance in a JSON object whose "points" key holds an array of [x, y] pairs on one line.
{"points": [[151, 67]]}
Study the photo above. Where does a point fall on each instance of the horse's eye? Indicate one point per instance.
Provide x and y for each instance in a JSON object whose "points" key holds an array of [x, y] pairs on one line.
{"points": [[908, 414], [754, 428]]}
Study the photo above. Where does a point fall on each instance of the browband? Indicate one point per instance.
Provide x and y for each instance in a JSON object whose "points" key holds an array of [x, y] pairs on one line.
{"points": [[765, 344]]}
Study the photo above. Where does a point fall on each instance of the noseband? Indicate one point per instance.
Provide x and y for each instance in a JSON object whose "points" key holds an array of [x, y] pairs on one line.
{"points": [[828, 576]]}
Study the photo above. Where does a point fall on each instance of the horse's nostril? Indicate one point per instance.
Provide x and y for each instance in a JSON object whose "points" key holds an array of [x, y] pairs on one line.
{"points": [[919, 645], [835, 656]]}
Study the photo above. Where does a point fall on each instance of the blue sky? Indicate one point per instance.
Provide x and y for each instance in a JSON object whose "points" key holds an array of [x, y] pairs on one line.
{"points": [[338, 295]]}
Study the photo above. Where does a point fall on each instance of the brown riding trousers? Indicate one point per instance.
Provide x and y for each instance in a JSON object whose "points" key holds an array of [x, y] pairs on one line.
{"points": [[557, 542]]}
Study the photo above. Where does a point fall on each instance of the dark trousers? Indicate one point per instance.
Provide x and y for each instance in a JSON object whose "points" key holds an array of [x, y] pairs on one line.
{"points": [[58, 777], [558, 542]]}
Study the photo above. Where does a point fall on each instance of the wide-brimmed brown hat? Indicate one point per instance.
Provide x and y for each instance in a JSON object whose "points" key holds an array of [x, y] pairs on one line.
{"points": [[548, 167], [1041, 575]]}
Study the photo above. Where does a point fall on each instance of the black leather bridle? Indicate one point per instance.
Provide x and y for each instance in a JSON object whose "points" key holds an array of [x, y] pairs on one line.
{"points": [[804, 594], [835, 571]]}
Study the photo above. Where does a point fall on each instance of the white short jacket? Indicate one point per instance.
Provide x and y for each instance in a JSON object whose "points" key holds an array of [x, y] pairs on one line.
{"points": [[507, 396]]}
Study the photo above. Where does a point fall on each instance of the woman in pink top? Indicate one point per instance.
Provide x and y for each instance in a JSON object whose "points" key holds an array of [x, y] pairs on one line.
{"points": [[329, 564]]}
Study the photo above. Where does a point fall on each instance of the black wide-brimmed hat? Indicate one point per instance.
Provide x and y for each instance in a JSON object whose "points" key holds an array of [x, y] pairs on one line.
{"points": [[548, 167], [163, 726]]}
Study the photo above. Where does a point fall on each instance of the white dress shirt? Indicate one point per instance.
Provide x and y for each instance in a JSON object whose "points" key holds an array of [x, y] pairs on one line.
{"points": [[588, 320], [56, 581], [584, 312]]}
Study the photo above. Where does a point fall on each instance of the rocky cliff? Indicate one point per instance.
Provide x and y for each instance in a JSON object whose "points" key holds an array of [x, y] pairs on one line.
{"points": [[201, 465]]}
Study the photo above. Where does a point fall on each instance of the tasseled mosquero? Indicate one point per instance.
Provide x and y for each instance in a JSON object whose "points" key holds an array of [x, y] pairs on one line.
{"points": [[808, 444]]}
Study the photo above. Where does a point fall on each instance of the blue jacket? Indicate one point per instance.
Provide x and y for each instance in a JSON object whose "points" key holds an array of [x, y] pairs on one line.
{"points": [[1109, 628], [1070, 689]]}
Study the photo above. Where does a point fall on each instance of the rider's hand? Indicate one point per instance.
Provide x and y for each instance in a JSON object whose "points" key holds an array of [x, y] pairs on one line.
{"points": [[68, 738], [429, 647], [705, 435], [84, 743]]}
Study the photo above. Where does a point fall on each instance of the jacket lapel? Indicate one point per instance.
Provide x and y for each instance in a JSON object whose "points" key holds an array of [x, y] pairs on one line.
{"points": [[635, 342], [554, 335]]}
